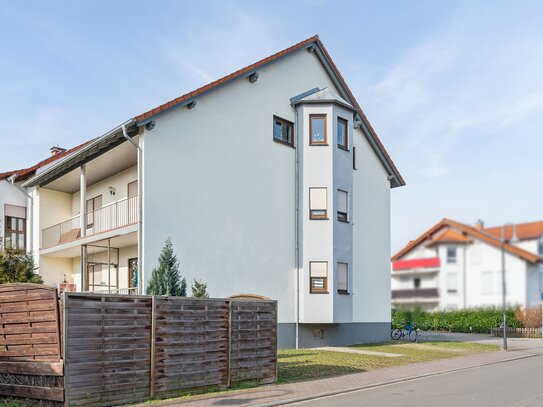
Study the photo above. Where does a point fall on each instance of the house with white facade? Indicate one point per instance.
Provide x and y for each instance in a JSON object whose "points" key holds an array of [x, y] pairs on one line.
{"points": [[269, 181], [16, 205], [453, 265]]}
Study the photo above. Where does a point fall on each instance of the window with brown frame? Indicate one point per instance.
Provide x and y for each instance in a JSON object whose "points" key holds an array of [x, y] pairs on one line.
{"points": [[318, 276], [342, 278], [318, 203], [317, 130], [342, 206], [283, 131], [15, 233], [93, 205], [342, 134]]}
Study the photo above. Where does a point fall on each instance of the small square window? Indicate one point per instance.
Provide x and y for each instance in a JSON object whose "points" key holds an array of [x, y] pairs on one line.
{"points": [[342, 206], [317, 129], [283, 131], [342, 278], [342, 134], [416, 282], [318, 276], [318, 333], [318, 203]]}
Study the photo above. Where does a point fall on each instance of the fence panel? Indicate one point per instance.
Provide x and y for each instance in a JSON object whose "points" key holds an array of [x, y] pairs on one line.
{"points": [[517, 332], [30, 348]]}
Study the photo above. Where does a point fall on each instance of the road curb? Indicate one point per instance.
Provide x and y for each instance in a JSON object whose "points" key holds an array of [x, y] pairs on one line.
{"points": [[386, 383]]}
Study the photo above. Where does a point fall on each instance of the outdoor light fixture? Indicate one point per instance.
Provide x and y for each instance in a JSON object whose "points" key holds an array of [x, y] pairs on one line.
{"points": [[253, 77], [111, 190], [151, 125], [191, 104]]}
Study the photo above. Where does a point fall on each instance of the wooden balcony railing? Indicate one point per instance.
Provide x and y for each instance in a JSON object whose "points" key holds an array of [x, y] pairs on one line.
{"points": [[112, 216]]}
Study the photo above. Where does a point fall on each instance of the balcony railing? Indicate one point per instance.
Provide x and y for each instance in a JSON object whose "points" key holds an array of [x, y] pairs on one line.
{"points": [[123, 291], [425, 293], [112, 216]]}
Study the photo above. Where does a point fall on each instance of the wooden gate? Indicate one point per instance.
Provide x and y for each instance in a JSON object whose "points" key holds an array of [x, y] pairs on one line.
{"points": [[30, 342]]}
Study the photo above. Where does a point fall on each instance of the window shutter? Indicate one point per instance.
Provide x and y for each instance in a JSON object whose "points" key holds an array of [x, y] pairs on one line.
{"points": [[14, 211], [317, 198], [342, 275], [342, 201], [318, 269]]}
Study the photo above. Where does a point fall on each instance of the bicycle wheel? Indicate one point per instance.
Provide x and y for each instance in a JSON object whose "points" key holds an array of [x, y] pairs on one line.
{"points": [[413, 335], [396, 334]]}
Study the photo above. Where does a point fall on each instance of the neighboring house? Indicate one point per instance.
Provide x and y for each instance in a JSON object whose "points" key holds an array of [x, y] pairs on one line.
{"points": [[16, 205], [270, 181], [453, 265]]}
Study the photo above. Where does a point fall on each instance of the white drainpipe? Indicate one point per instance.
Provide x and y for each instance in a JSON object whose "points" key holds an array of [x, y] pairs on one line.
{"points": [[140, 209], [30, 212]]}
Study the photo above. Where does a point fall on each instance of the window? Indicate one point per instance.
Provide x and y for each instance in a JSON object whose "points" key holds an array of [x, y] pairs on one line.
{"points": [[15, 227], [317, 129], [342, 278], [487, 283], [540, 248], [318, 276], [416, 282], [283, 131], [342, 134], [93, 204], [452, 283], [317, 203], [354, 158], [342, 206], [451, 254]]}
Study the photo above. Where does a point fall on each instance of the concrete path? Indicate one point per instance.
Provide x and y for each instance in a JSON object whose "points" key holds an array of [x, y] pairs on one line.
{"points": [[358, 351], [298, 392]]}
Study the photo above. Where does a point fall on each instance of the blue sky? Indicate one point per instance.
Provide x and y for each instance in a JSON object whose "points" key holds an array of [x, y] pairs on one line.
{"points": [[453, 88]]}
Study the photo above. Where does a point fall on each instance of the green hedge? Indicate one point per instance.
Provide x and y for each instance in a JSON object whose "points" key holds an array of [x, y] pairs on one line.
{"points": [[478, 320]]}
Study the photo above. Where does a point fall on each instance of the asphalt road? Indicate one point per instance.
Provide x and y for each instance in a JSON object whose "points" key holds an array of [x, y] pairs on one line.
{"points": [[517, 383]]}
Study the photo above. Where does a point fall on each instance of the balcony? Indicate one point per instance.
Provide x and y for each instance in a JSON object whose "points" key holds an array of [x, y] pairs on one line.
{"points": [[109, 217], [427, 294]]}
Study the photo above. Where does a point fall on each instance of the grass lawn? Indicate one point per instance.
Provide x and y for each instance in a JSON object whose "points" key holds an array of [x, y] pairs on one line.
{"points": [[305, 364]]}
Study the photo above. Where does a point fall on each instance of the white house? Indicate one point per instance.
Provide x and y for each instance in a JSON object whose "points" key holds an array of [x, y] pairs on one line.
{"points": [[453, 265], [16, 203], [269, 181]]}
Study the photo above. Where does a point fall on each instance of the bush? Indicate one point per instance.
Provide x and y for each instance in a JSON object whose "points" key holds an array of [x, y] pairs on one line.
{"points": [[199, 289], [166, 279], [529, 317], [477, 320], [17, 266]]}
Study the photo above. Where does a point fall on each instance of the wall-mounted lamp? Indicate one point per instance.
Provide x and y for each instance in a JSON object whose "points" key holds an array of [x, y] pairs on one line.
{"points": [[111, 190], [191, 104], [151, 125], [253, 77]]}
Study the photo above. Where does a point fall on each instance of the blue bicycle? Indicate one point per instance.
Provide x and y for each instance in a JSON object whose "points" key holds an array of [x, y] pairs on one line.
{"points": [[409, 331]]}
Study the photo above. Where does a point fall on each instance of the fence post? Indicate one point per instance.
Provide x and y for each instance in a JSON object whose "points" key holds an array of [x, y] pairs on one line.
{"points": [[65, 347], [153, 340], [228, 360]]}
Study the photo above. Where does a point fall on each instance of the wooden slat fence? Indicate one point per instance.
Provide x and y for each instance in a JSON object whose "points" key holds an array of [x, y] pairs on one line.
{"points": [[30, 342], [517, 332], [127, 348]]}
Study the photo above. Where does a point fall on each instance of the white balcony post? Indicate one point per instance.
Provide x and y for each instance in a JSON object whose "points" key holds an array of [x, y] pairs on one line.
{"points": [[82, 198]]}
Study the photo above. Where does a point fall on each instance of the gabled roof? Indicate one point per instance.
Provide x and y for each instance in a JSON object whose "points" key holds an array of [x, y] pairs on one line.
{"points": [[470, 231], [315, 44], [450, 236], [26, 173], [530, 230]]}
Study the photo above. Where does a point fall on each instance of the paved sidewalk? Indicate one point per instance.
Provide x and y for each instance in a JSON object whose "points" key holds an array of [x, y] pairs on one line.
{"points": [[287, 393]]}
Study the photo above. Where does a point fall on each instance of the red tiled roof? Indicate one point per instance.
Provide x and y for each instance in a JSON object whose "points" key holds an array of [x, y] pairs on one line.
{"points": [[468, 231], [25, 173], [250, 68], [450, 236], [530, 230]]}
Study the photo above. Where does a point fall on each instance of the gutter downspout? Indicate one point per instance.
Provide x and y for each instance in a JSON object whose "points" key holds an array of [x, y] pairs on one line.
{"points": [[11, 179], [140, 210], [297, 228]]}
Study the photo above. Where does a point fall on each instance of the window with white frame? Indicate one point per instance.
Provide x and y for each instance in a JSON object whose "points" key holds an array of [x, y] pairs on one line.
{"points": [[318, 276], [342, 278], [342, 206], [452, 283], [318, 203], [451, 254], [487, 282]]}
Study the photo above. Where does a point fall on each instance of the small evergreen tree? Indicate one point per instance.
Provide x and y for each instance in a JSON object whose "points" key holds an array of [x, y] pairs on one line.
{"points": [[199, 289], [17, 266], [166, 279]]}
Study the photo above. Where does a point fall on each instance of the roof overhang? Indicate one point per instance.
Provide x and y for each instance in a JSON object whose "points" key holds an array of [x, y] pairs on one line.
{"points": [[101, 145]]}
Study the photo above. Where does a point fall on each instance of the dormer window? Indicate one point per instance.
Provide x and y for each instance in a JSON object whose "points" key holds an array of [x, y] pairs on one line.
{"points": [[283, 131], [317, 130], [342, 134]]}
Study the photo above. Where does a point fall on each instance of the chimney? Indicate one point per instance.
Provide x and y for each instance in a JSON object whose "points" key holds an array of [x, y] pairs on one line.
{"points": [[56, 150], [480, 225]]}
